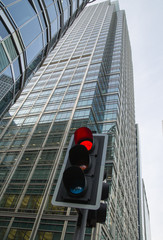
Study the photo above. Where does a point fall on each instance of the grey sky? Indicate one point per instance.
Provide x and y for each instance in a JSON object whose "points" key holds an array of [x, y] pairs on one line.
{"points": [[145, 24], [145, 21]]}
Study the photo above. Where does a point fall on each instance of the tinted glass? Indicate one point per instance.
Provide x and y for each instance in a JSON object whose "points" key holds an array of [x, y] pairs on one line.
{"points": [[54, 28], [11, 48], [74, 6], [5, 81], [42, 20], [64, 4], [3, 30], [17, 85], [30, 31], [34, 49], [3, 59], [48, 2], [52, 12], [17, 12], [6, 2], [80, 2], [16, 66], [37, 5]]}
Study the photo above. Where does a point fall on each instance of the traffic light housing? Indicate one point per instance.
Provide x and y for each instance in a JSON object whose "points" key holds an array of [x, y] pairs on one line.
{"points": [[99, 215], [81, 179]]}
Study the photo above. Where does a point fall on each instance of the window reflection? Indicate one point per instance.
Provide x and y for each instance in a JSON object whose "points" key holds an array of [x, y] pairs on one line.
{"points": [[30, 30], [8, 1], [74, 6], [53, 28], [6, 83], [3, 60], [66, 9], [37, 5], [3, 30], [16, 66], [17, 12], [48, 2], [52, 13], [33, 50], [19, 234], [6, 77], [11, 48], [42, 21]]}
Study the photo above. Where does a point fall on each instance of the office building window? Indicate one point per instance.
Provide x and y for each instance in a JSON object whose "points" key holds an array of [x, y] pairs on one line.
{"points": [[3, 29], [17, 12]]}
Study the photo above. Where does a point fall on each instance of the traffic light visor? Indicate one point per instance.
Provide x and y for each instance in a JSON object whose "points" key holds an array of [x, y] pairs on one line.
{"points": [[84, 136]]}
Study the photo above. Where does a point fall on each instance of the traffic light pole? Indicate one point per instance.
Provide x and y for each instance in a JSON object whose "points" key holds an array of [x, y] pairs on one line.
{"points": [[81, 225]]}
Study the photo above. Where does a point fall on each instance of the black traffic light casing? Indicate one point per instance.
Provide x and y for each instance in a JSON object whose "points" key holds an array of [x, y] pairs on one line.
{"points": [[81, 178], [99, 215]]}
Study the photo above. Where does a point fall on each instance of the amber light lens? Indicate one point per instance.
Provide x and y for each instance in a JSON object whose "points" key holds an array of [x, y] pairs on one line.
{"points": [[84, 136], [83, 167]]}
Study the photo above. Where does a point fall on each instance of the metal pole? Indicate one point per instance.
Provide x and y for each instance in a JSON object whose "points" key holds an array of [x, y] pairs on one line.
{"points": [[81, 225]]}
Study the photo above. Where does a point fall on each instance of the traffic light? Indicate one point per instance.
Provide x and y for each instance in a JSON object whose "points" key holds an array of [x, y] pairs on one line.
{"points": [[80, 182]]}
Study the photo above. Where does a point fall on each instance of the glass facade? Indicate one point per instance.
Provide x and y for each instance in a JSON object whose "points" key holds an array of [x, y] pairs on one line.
{"points": [[28, 32], [145, 215], [86, 80], [143, 210]]}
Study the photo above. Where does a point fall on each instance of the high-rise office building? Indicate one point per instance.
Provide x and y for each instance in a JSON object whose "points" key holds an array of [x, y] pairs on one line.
{"points": [[28, 31], [87, 80]]}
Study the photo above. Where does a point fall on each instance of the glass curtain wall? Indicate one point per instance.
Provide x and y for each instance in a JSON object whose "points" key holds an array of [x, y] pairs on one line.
{"points": [[28, 32], [85, 81]]}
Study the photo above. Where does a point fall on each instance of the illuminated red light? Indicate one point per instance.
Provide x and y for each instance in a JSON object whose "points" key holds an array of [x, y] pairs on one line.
{"points": [[87, 144], [84, 136]]}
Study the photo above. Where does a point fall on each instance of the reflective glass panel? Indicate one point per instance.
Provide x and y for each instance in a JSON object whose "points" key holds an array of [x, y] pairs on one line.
{"points": [[34, 49], [30, 30], [3, 60], [6, 83], [8, 1], [42, 20], [3, 30], [16, 66], [11, 48], [52, 13], [6, 77], [74, 6], [64, 4], [37, 5], [18, 14], [48, 2], [53, 28]]}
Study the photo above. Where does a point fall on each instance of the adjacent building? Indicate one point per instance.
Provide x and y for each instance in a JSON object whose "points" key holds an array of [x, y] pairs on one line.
{"points": [[143, 209], [146, 215], [28, 32], [86, 80]]}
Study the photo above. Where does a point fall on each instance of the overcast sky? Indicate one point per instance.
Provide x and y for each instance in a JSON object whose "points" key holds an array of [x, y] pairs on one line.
{"points": [[145, 24]]}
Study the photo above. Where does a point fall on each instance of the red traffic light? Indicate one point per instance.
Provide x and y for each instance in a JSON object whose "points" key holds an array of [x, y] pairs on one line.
{"points": [[84, 136]]}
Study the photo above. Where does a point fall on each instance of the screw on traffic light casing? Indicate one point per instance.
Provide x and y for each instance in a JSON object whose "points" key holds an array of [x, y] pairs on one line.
{"points": [[80, 181]]}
